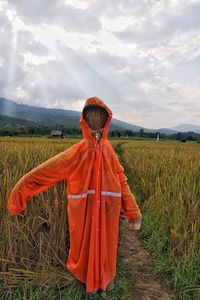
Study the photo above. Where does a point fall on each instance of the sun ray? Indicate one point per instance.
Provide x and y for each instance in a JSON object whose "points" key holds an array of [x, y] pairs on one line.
{"points": [[13, 51]]}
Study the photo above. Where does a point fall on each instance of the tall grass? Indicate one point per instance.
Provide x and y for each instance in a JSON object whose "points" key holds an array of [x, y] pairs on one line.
{"points": [[166, 178], [32, 247]]}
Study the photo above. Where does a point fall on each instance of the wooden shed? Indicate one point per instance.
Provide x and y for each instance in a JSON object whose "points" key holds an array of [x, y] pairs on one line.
{"points": [[56, 134]]}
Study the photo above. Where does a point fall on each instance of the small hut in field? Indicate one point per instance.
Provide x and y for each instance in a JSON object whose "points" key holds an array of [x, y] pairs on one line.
{"points": [[57, 134]]}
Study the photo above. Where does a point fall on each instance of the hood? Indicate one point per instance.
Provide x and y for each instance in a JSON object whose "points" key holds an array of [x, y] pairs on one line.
{"points": [[83, 124]]}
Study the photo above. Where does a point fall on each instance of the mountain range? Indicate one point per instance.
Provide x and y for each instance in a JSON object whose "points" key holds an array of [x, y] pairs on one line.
{"points": [[12, 113]]}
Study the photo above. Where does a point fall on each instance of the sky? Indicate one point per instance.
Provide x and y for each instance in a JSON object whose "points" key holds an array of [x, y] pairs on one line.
{"points": [[141, 57]]}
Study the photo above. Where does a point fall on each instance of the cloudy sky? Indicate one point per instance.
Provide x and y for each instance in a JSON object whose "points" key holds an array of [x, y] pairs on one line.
{"points": [[141, 57]]}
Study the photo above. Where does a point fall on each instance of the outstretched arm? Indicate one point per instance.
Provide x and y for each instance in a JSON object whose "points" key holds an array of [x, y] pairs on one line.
{"points": [[129, 203], [42, 177]]}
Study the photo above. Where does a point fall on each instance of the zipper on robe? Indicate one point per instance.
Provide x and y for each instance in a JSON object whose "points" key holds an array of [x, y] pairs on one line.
{"points": [[98, 148], [97, 218]]}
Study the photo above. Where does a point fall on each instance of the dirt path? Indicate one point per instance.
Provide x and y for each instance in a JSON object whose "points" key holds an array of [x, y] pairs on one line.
{"points": [[148, 286]]}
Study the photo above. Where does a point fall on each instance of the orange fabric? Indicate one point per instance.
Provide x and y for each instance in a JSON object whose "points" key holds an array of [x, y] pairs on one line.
{"points": [[97, 188]]}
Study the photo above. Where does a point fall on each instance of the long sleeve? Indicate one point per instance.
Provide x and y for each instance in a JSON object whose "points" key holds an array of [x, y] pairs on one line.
{"points": [[129, 203], [45, 175]]}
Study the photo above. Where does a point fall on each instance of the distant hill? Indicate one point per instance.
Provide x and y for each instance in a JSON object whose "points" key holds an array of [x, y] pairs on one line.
{"points": [[50, 117], [6, 121], [45, 116], [12, 123], [187, 127]]}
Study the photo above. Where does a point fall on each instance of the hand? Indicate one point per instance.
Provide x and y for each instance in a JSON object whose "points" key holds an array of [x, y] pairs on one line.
{"points": [[135, 224]]}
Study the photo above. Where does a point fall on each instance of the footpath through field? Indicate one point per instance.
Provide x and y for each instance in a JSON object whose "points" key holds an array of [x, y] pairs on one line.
{"points": [[144, 283]]}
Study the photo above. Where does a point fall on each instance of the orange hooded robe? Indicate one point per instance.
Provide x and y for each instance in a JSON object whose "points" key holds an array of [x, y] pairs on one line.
{"points": [[97, 188]]}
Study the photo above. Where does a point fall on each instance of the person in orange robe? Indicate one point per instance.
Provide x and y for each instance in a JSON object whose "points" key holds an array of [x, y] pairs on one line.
{"points": [[96, 188]]}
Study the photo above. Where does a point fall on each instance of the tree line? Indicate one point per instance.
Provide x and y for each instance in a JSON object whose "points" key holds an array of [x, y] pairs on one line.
{"points": [[41, 130]]}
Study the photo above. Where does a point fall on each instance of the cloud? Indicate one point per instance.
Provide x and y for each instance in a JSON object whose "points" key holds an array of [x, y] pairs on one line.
{"points": [[141, 57], [77, 75], [14, 47], [56, 12], [118, 8], [158, 26], [28, 43]]}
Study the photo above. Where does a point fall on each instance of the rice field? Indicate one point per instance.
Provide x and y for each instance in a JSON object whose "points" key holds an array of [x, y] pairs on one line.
{"points": [[165, 178], [33, 247]]}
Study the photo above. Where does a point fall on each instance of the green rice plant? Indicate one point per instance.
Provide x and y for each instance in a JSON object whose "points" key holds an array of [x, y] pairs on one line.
{"points": [[166, 179]]}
